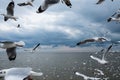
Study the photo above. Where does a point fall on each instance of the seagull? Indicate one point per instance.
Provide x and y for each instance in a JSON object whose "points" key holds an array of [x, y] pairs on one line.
{"points": [[10, 12], [102, 61], [19, 73], [101, 1], [86, 77], [46, 4], [67, 2], [36, 46], [11, 48], [98, 39], [18, 26], [26, 3], [117, 18]]}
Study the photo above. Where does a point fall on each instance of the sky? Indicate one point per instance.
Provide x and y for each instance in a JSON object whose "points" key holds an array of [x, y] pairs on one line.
{"points": [[60, 25]]}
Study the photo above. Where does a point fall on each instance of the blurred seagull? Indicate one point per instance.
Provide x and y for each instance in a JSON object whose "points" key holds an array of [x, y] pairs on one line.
{"points": [[67, 2], [26, 3], [103, 60], [18, 26], [19, 73], [10, 12], [101, 1], [116, 18], [46, 4], [86, 77], [98, 39], [11, 48], [36, 46]]}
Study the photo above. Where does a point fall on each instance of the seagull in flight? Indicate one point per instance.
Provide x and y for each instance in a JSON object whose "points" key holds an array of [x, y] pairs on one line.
{"points": [[10, 12], [102, 61], [101, 1], [26, 3], [115, 16], [98, 39], [11, 48], [19, 73], [46, 4], [86, 77]]}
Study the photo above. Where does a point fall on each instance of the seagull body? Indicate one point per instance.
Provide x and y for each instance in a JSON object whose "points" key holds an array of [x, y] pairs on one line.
{"points": [[26, 3], [46, 4], [67, 2], [98, 39], [11, 48], [18, 73], [10, 12]]}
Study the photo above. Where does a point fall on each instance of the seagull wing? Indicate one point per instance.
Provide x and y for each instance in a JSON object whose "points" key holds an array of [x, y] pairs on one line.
{"points": [[36, 46], [100, 1], [32, 0], [118, 16], [21, 4], [85, 41], [11, 52], [17, 73], [68, 3], [6, 42], [10, 9]]}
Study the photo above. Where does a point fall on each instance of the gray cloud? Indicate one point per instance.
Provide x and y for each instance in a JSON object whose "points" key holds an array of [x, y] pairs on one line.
{"points": [[61, 25]]}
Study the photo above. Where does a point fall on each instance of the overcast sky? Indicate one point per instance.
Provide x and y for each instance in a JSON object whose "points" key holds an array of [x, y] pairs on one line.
{"points": [[59, 24]]}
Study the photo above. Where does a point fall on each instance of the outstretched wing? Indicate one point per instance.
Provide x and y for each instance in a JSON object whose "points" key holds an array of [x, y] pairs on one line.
{"points": [[100, 1], [68, 3], [17, 73], [10, 10], [36, 46], [85, 41], [21, 4], [11, 52]]}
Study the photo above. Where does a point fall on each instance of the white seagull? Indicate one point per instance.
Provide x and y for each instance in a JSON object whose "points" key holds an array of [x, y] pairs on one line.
{"points": [[103, 60], [46, 4], [11, 48], [10, 12], [19, 74], [97, 39], [115, 16], [86, 77], [26, 3]]}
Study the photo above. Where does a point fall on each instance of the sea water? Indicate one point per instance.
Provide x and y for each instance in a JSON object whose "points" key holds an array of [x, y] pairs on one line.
{"points": [[65, 65]]}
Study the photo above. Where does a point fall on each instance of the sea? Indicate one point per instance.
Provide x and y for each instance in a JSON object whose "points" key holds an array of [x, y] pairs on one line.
{"points": [[66, 65]]}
